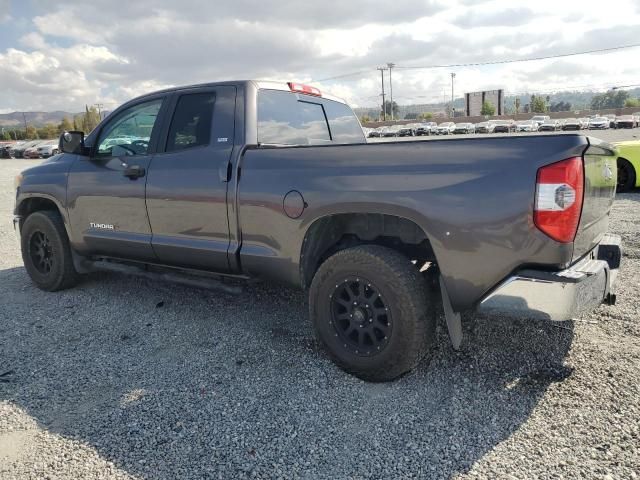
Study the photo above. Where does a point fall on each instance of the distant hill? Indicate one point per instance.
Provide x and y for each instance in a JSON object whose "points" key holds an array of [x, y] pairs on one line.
{"points": [[37, 119]]}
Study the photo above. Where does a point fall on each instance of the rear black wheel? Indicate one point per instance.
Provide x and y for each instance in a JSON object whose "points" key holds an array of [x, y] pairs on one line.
{"points": [[46, 252], [373, 311], [626, 175]]}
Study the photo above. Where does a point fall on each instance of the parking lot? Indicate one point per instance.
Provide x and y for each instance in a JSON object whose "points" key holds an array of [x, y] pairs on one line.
{"points": [[609, 135], [125, 378]]}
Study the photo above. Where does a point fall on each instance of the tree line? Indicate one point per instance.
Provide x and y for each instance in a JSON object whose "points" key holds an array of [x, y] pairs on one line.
{"points": [[85, 122]]}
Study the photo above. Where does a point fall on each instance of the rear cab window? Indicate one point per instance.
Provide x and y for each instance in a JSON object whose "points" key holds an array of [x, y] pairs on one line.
{"points": [[288, 118]]}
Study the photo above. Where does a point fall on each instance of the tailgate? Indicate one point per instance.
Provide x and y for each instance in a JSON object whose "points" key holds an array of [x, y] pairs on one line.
{"points": [[600, 174]]}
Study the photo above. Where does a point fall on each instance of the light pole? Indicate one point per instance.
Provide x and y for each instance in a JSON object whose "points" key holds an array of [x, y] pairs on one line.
{"points": [[391, 65], [453, 76], [384, 106]]}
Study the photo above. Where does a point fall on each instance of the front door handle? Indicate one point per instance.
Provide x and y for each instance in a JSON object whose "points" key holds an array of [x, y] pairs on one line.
{"points": [[134, 171]]}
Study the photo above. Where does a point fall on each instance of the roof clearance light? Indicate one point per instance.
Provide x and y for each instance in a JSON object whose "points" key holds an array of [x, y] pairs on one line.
{"points": [[307, 89]]}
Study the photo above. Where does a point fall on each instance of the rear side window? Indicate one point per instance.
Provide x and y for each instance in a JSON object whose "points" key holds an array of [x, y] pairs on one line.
{"points": [[191, 123], [283, 119], [344, 125]]}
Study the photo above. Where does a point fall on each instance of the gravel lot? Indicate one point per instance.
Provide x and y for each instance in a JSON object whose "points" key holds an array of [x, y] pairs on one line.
{"points": [[125, 378]]}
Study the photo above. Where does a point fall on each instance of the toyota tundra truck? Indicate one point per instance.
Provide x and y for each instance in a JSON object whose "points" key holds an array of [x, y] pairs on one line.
{"points": [[276, 181]]}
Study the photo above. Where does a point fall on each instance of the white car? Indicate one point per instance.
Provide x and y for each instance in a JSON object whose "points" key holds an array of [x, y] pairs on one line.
{"points": [[526, 126], [599, 123], [48, 149], [446, 128], [540, 119]]}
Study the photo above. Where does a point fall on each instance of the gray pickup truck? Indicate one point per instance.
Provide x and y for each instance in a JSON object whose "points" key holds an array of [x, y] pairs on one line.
{"points": [[276, 180]]}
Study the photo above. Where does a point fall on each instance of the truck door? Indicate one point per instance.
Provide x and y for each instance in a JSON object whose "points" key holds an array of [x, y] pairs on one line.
{"points": [[106, 190], [187, 184]]}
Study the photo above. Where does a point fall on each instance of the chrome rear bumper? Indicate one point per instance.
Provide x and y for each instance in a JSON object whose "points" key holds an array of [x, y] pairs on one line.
{"points": [[559, 295]]}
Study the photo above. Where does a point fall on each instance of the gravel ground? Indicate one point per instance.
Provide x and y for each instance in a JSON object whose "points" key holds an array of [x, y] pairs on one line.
{"points": [[125, 378]]}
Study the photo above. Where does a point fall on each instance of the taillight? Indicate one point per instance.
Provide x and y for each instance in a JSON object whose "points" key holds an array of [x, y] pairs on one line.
{"points": [[308, 89], [558, 203]]}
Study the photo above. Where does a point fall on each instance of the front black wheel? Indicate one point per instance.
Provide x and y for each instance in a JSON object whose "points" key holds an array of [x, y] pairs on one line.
{"points": [[46, 252], [626, 175], [372, 310]]}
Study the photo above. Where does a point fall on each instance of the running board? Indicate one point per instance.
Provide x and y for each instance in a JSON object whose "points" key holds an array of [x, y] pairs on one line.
{"points": [[171, 275]]}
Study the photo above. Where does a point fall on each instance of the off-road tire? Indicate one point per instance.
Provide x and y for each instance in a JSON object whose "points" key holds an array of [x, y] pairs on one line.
{"points": [[61, 274], [406, 295]]}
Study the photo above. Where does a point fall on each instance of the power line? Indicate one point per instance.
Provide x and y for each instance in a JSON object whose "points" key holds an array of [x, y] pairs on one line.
{"points": [[477, 64], [517, 60]]}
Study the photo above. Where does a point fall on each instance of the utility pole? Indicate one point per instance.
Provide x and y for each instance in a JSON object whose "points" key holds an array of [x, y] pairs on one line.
{"points": [[24, 119], [391, 65], [453, 76], [99, 106], [384, 106]]}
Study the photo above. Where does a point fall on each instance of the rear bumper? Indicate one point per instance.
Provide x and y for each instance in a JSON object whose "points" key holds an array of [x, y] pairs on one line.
{"points": [[559, 295]]}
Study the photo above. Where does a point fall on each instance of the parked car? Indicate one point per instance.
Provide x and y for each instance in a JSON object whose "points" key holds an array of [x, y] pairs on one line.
{"points": [[464, 127], [504, 126], [550, 125], [32, 151], [375, 132], [526, 126], [48, 149], [446, 128], [584, 121], [380, 235], [628, 163], [19, 149], [485, 127], [540, 119], [391, 131], [626, 121], [572, 124], [612, 120], [599, 123], [425, 128], [5, 149], [405, 131]]}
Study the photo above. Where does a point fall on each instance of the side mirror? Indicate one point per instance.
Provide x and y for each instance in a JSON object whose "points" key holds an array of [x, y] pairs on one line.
{"points": [[72, 142]]}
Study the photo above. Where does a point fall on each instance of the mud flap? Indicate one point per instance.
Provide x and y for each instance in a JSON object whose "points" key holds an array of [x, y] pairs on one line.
{"points": [[454, 321]]}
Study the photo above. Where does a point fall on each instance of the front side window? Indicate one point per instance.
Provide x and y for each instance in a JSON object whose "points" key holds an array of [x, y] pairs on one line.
{"points": [[191, 123], [129, 132]]}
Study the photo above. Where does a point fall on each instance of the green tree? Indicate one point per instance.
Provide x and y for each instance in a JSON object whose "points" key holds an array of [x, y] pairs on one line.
{"points": [[632, 102], [426, 116], [387, 108], [560, 107], [411, 116], [610, 99], [538, 104], [517, 105], [488, 108], [65, 125], [91, 119], [5, 135], [365, 119], [31, 133]]}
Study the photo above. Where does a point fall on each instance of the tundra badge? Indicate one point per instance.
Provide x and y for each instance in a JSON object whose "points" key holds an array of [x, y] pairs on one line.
{"points": [[103, 226]]}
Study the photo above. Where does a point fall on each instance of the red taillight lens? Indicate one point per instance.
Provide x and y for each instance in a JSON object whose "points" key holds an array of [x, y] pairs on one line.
{"points": [[558, 203], [309, 90]]}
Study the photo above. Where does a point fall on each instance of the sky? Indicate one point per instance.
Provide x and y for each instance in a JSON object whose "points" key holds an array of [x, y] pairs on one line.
{"points": [[63, 54]]}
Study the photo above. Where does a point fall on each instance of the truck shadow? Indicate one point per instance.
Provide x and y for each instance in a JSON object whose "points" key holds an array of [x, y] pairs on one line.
{"points": [[161, 379]]}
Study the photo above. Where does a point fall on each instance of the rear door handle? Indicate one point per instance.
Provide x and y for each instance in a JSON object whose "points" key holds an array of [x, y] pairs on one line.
{"points": [[134, 171]]}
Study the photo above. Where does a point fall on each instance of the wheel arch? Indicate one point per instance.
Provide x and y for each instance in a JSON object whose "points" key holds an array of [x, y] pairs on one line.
{"points": [[333, 232], [37, 203]]}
